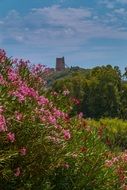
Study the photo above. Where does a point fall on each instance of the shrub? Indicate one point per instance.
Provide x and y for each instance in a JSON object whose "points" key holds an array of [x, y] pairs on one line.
{"points": [[113, 132]]}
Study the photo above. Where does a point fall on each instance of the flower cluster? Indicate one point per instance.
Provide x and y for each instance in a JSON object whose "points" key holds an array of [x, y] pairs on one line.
{"points": [[24, 104], [120, 166]]}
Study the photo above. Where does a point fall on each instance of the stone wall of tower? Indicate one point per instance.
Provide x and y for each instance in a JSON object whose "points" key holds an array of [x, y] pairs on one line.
{"points": [[60, 64]]}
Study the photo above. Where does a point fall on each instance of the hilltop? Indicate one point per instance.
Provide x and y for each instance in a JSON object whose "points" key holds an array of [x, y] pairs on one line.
{"points": [[66, 73]]}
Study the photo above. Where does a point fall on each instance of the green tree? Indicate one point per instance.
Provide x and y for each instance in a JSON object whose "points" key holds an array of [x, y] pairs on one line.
{"points": [[102, 96]]}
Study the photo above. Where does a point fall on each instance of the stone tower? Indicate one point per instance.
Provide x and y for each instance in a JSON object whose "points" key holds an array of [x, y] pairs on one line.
{"points": [[60, 64]]}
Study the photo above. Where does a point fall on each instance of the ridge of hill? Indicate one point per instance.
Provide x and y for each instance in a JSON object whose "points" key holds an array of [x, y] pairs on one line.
{"points": [[68, 72]]}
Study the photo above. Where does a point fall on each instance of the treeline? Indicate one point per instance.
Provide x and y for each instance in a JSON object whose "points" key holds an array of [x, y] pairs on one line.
{"points": [[102, 91]]}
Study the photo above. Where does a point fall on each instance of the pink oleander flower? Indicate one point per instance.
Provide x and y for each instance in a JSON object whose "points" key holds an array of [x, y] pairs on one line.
{"points": [[42, 100], [67, 134], [58, 127], [23, 151], [17, 94], [54, 93], [24, 90], [66, 166], [52, 120], [33, 93], [18, 116], [109, 163], [17, 172], [12, 75], [124, 187], [124, 156], [66, 92], [37, 69], [80, 115], [23, 63], [76, 101], [57, 113], [15, 61], [11, 137], [43, 119], [121, 174], [53, 139], [3, 126]]}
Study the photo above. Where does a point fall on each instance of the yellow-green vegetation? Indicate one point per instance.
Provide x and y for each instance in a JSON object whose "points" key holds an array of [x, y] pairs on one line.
{"points": [[115, 130]]}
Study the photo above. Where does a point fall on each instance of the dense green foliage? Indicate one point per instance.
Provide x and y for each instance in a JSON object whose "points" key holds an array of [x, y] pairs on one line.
{"points": [[101, 91]]}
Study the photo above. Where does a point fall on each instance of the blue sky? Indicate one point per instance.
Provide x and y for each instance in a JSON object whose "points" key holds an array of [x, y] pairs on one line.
{"points": [[86, 32]]}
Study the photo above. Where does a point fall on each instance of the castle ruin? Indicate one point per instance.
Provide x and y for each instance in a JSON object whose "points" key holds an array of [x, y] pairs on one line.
{"points": [[60, 64]]}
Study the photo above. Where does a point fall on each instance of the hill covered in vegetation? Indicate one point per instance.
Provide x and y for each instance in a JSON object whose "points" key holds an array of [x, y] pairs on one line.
{"points": [[68, 72], [101, 90]]}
